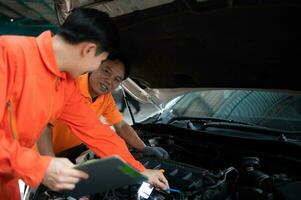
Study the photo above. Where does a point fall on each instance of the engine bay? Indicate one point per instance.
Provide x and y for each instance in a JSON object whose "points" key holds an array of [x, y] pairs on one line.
{"points": [[189, 182], [206, 167], [210, 168]]}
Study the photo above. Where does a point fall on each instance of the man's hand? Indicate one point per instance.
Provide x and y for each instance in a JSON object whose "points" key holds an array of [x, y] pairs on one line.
{"points": [[156, 178], [157, 152], [61, 175]]}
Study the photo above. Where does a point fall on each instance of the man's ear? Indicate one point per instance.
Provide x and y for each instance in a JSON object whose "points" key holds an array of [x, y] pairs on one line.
{"points": [[88, 48]]}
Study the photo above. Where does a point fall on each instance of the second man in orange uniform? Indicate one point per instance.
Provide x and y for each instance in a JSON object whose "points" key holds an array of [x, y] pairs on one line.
{"points": [[96, 88]]}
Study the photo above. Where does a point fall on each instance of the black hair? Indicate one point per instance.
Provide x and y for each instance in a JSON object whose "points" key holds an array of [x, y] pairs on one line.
{"points": [[124, 59], [87, 24]]}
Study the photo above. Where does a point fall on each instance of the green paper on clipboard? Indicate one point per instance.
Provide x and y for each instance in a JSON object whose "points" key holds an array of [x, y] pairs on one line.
{"points": [[105, 174]]}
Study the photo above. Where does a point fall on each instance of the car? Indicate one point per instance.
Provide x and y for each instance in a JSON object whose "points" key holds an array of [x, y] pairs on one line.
{"points": [[221, 78]]}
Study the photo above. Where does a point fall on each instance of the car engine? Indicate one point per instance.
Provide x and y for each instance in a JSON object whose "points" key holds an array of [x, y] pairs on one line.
{"points": [[207, 167], [204, 168]]}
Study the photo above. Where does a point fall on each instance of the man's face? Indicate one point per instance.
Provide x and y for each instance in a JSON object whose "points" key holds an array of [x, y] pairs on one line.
{"points": [[107, 78]]}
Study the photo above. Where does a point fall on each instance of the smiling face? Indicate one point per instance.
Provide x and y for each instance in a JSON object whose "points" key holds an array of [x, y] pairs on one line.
{"points": [[106, 78]]}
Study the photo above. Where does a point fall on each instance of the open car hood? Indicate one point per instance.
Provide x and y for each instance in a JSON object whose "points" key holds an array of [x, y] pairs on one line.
{"points": [[183, 45], [215, 44]]}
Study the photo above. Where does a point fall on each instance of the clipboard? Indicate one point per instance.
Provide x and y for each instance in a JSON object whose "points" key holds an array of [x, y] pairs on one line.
{"points": [[105, 174]]}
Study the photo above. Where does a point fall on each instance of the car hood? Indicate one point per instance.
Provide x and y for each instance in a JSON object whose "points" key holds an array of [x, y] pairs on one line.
{"points": [[176, 44], [204, 44]]}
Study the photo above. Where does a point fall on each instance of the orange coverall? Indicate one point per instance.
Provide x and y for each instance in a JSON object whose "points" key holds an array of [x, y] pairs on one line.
{"points": [[33, 92]]}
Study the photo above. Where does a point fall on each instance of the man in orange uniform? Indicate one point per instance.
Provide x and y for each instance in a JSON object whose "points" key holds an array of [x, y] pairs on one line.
{"points": [[96, 87], [38, 87]]}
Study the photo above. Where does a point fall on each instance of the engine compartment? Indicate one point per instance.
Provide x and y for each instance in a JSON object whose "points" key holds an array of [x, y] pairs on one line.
{"points": [[210, 167], [221, 167], [190, 182]]}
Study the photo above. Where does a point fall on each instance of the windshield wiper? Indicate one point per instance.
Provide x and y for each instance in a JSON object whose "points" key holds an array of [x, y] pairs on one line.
{"points": [[206, 122]]}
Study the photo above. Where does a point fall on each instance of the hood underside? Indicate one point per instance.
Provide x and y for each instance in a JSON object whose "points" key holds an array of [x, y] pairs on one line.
{"points": [[225, 44], [239, 47]]}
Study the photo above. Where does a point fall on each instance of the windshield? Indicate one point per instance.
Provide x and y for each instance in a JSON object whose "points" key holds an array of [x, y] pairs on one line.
{"points": [[275, 110]]}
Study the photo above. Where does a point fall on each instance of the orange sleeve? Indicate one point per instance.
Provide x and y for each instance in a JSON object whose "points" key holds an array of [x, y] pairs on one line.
{"points": [[111, 112], [15, 160], [84, 123]]}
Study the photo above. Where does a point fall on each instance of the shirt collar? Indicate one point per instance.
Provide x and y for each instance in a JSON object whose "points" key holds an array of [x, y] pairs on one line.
{"points": [[44, 42], [83, 83]]}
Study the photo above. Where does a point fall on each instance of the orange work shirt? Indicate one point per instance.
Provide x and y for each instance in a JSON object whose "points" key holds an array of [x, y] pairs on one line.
{"points": [[104, 105], [33, 92]]}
